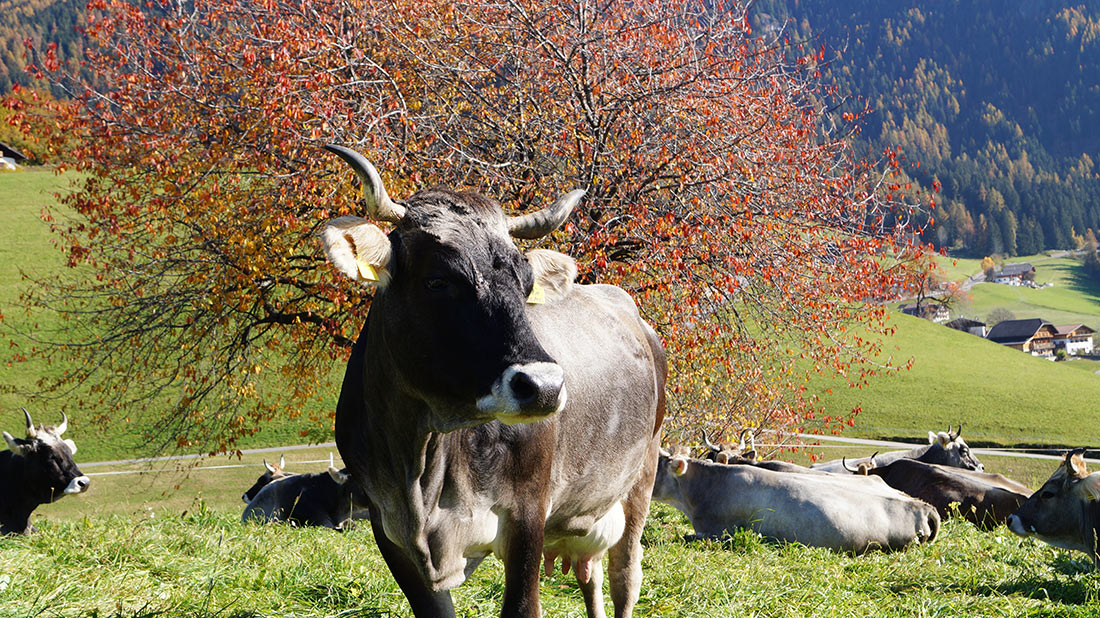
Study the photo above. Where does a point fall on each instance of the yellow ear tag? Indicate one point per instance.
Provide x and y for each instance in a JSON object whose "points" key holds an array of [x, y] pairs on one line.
{"points": [[537, 295], [366, 271]]}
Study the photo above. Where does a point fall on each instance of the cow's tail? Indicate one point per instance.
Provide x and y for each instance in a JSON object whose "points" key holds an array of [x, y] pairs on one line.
{"points": [[933, 526]]}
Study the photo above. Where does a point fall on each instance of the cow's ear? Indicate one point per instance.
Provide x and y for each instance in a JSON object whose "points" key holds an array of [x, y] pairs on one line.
{"points": [[932, 437], [72, 445], [338, 476], [14, 446], [1089, 487], [358, 249], [679, 466], [1076, 465], [554, 273]]}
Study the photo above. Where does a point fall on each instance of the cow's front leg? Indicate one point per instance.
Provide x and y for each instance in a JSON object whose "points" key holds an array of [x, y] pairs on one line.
{"points": [[522, 559], [425, 603]]}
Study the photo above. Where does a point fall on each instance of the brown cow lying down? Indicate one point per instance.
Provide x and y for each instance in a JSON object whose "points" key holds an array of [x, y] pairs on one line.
{"points": [[838, 512], [982, 498], [1065, 512]]}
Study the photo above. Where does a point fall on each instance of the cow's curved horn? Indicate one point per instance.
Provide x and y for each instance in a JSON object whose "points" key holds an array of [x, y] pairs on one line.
{"points": [[540, 223], [959, 431], [379, 205], [282, 461], [64, 423], [710, 445], [844, 462], [32, 433], [270, 468], [741, 444]]}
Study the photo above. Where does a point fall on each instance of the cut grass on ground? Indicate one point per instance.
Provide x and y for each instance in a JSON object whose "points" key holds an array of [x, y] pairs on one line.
{"points": [[205, 563]]}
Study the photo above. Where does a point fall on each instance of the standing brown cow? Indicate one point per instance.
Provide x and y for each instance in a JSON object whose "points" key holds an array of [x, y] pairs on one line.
{"points": [[492, 406]]}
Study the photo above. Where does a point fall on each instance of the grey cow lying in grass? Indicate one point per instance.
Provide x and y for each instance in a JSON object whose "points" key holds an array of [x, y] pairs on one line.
{"points": [[839, 512]]}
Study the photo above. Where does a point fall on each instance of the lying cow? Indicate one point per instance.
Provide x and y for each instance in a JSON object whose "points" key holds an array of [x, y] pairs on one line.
{"points": [[944, 448], [1065, 512], [984, 499], [36, 470], [842, 513], [272, 473], [325, 499]]}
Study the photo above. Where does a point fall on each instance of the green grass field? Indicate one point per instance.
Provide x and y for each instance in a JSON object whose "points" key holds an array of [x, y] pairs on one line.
{"points": [[201, 562], [1001, 395]]}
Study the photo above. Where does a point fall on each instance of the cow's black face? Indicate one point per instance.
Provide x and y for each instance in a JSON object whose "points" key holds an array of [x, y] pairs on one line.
{"points": [[1057, 514], [455, 320], [49, 469]]}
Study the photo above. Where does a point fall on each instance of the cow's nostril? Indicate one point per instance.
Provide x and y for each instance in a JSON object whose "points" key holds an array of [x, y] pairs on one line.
{"points": [[523, 388]]}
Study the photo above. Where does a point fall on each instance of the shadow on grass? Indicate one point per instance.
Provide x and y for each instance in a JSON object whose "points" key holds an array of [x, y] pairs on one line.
{"points": [[1072, 585], [1077, 280]]}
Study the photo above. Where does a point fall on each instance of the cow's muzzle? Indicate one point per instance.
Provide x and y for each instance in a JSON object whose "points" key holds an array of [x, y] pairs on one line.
{"points": [[1017, 527], [525, 393], [77, 486]]}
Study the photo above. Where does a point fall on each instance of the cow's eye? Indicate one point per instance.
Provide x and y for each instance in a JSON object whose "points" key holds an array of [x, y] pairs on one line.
{"points": [[436, 283], [1046, 495]]}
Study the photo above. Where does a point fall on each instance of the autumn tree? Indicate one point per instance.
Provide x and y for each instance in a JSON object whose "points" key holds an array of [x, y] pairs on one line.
{"points": [[723, 191]]}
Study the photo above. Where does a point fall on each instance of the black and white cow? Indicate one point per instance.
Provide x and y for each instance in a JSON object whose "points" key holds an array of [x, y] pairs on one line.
{"points": [[36, 470], [325, 499], [491, 405]]}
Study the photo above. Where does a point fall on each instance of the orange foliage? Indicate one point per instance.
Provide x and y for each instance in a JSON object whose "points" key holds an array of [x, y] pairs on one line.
{"points": [[720, 191]]}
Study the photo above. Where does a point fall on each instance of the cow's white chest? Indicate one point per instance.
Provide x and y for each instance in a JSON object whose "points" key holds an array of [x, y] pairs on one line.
{"points": [[485, 536]]}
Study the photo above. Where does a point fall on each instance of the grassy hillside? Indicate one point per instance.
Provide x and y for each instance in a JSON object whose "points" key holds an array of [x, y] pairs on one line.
{"points": [[1070, 298], [26, 246], [1001, 395]]}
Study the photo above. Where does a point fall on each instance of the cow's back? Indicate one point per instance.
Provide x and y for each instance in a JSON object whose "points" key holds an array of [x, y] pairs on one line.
{"points": [[975, 497]]}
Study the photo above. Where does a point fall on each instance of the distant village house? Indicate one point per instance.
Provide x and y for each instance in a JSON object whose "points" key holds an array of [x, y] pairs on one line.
{"points": [[1033, 335], [936, 312], [10, 158], [1015, 274], [1074, 338], [967, 325]]}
